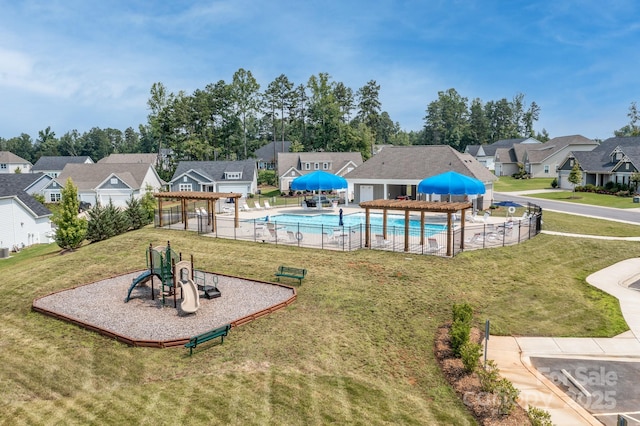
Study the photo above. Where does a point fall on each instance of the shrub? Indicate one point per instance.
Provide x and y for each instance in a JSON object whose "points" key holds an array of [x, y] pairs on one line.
{"points": [[539, 417], [508, 396], [554, 183], [470, 353], [462, 312], [459, 335], [489, 376]]}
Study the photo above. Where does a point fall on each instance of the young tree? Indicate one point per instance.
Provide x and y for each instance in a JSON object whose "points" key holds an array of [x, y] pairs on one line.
{"points": [[71, 230], [575, 176]]}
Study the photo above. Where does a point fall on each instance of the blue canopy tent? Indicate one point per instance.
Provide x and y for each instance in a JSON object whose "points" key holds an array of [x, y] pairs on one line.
{"points": [[319, 181]]}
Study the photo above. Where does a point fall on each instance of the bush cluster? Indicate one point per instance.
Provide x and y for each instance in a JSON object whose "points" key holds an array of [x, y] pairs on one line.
{"points": [[460, 327], [109, 221], [611, 188]]}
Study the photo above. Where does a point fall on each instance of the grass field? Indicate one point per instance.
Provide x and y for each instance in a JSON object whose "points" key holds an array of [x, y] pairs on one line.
{"points": [[509, 184], [589, 198], [355, 348]]}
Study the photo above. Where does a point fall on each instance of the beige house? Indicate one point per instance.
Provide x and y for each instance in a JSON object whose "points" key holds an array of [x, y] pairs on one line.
{"points": [[101, 182], [543, 160]]}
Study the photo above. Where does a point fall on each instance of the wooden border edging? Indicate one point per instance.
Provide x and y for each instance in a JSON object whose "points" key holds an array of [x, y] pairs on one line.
{"points": [[159, 343]]}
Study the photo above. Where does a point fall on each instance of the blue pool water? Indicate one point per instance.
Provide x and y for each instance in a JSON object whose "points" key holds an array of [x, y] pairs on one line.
{"points": [[326, 222]]}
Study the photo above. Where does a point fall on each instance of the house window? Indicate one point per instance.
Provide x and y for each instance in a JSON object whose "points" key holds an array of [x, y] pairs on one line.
{"points": [[571, 162], [626, 166], [184, 187], [316, 166], [54, 197], [233, 175], [325, 166], [307, 166], [546, 169], [184, 179], [3, 166], [114, 181]]}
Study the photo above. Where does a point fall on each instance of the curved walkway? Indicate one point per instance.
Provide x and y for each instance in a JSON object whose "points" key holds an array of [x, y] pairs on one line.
{"points": [[513, 354]]}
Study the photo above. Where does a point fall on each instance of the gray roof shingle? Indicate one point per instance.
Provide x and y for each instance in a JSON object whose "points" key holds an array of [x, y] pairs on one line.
{"points": [[58, 162], [215, 170], [14, 185]]}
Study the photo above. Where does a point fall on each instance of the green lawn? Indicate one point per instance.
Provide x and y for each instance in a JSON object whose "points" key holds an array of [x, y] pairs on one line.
{"points": [[509, 184], [356, 347], [589, 198]]}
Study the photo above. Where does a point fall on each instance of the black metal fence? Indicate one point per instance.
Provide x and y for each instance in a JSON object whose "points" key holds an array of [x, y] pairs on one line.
{"points": [[494, 233]]}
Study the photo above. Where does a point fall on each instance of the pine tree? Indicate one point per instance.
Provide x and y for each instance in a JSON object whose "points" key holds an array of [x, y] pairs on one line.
{"points": [[71, 229], [98, 228]]}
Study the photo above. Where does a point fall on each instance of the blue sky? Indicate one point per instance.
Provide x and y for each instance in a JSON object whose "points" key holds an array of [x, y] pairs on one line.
{"points": [[78, 64]]}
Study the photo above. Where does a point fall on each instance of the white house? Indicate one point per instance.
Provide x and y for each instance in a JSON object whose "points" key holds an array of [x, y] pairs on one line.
{"points": [[25, 221], [11, 163], [101, 182]]}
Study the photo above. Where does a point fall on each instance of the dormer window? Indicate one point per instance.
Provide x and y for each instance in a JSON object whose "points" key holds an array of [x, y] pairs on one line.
{"points": [[232, 175], [114, 181]]}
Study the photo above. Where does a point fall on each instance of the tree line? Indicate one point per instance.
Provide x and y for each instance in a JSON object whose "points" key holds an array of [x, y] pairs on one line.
{"points": [[230, 120]]}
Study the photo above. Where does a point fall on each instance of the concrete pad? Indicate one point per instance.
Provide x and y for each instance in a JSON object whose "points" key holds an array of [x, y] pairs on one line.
{"points": [[619, 346], [538, 345], [579, 345]]}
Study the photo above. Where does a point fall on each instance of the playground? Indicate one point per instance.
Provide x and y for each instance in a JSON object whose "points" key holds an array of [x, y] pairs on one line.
{"points": [[165, 304]]}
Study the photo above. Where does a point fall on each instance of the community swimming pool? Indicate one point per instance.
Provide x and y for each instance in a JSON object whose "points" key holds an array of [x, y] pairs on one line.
{"points": [[327, 222]]}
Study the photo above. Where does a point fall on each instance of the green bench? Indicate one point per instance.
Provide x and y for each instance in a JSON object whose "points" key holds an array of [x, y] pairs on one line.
{"points": [[287, 271], [209, 335]]}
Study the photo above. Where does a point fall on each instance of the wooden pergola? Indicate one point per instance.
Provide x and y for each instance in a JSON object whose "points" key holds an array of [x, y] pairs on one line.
{"points": [[423, 207], [210, 197]]}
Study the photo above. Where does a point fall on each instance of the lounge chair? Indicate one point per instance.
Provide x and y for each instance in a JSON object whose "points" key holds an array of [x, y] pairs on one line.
{"points": [[245, 207], [486, 217], [256, 205], [473, 218], [476, 239], [433, 246], [267, 206], [328, 239], [227, 209], [380, 241], [291, 237]]}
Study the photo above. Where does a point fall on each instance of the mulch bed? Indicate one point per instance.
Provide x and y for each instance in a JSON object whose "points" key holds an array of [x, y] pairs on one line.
{"points": [[482, 405]]}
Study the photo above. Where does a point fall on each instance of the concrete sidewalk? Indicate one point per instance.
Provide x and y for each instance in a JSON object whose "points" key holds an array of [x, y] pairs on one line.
{"points": [[513, 354]]}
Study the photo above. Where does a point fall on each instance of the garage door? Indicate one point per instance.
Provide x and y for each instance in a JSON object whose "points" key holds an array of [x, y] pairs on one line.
{"points": [[240, 189]]}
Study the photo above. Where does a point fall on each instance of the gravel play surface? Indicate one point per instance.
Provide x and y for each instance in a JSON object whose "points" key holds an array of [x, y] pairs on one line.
{"points": [[101, 304]]}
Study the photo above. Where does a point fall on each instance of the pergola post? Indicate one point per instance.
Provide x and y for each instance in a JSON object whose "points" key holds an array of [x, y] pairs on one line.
{"points": [[384, 224], [449, 233], [406, 230], [367, 225]]}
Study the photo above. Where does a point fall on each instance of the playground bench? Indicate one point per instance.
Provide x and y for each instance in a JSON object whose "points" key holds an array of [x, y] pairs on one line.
{"points": [[209, 335], [287, 271]]}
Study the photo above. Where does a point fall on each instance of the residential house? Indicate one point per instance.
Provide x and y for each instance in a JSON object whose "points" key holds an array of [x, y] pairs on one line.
{"points": [[396, 171], [11, 163], [101, 182], [294, 164], [267, 155], [502, 156], [240, 177], [53, 165], [614, 160], [25, 221], [543, 160]]}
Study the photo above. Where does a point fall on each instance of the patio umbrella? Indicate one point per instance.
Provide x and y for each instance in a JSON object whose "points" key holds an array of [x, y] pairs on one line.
{"points": [[340, 222], [319, 181], [451, 183]]}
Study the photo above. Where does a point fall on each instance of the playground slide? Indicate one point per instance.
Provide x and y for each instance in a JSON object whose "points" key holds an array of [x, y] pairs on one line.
{"points": [[190, 296], [145, 276]]}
